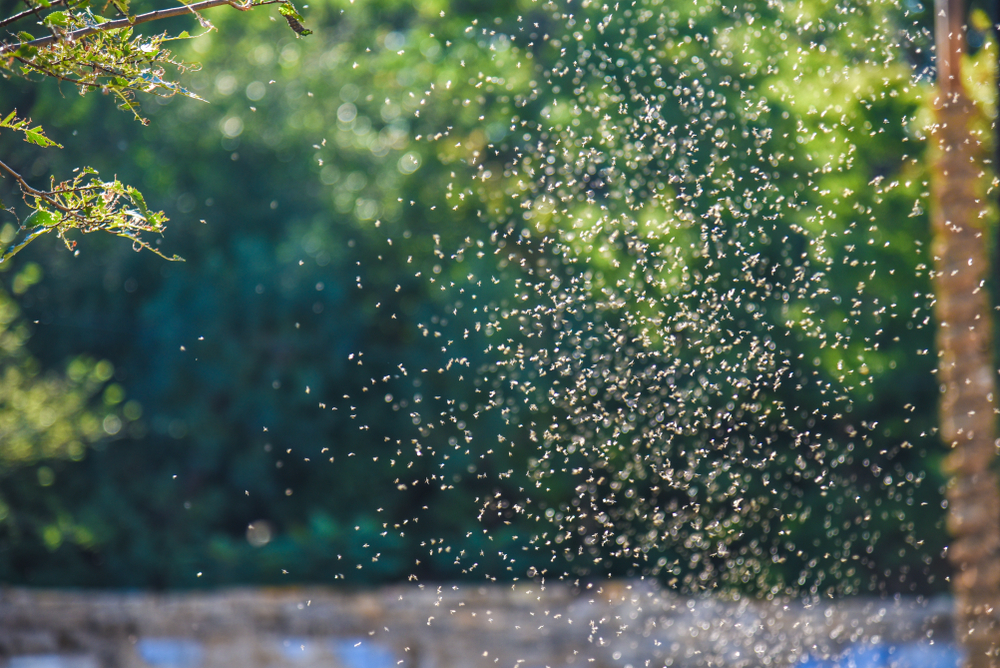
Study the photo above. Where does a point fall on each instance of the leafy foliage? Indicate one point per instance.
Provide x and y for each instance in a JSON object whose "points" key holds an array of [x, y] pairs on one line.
{"points": [[95, 53], [88, 204], [34, 135], [110, 61]]}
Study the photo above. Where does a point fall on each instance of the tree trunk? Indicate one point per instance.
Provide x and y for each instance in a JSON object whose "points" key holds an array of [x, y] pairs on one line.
{"points": [[964, 341]]}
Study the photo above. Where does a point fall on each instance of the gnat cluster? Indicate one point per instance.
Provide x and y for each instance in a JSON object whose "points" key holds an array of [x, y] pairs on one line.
{"points": [[657, 266]]}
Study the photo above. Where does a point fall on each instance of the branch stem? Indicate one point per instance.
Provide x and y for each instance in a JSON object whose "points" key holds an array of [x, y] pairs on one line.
{"points": [[20, 180], [27, 12], [27, 190], [130, 21]]}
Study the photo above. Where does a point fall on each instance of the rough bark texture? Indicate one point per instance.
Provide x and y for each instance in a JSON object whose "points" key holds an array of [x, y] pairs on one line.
{"points": [[965, 362]]}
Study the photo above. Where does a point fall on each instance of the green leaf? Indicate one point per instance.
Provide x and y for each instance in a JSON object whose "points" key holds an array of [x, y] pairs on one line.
{"points": [[293, 18], [121, 5], [34, 135], [42, 218], [15, 249], [139, 200], [57, 19], [37, 136]]}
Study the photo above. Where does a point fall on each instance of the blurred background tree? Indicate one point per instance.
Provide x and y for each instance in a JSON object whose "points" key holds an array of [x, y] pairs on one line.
{"points": [[46, 418], [311, 155]]}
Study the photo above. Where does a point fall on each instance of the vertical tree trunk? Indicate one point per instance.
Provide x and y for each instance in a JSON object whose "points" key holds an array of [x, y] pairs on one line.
{"points": [[964, 341]]}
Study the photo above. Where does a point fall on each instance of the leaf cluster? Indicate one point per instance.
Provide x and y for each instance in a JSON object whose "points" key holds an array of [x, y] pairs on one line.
{"points": [[84, 203], [96, 53], [114, 62]]}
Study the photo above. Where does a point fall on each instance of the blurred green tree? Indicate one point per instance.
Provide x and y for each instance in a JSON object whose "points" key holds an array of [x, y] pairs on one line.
{"points": [[307, 166], [46, 415]]}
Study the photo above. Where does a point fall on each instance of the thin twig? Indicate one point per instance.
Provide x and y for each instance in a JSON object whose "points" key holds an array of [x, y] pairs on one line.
{"points": [[134, 21], [58, 77], [20, 180], [46, 197], [27, 12]]}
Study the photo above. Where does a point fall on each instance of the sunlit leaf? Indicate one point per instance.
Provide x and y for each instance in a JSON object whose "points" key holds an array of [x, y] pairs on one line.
{"points": [[60, 18]]}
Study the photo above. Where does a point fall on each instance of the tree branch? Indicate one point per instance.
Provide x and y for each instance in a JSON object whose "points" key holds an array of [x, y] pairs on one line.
{"points": [[134, 21], [27, 12], [20, 180], [44, 195]]}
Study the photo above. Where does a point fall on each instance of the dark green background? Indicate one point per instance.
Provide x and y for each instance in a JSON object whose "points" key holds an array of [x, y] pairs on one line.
{"points": [[221, 346]]}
